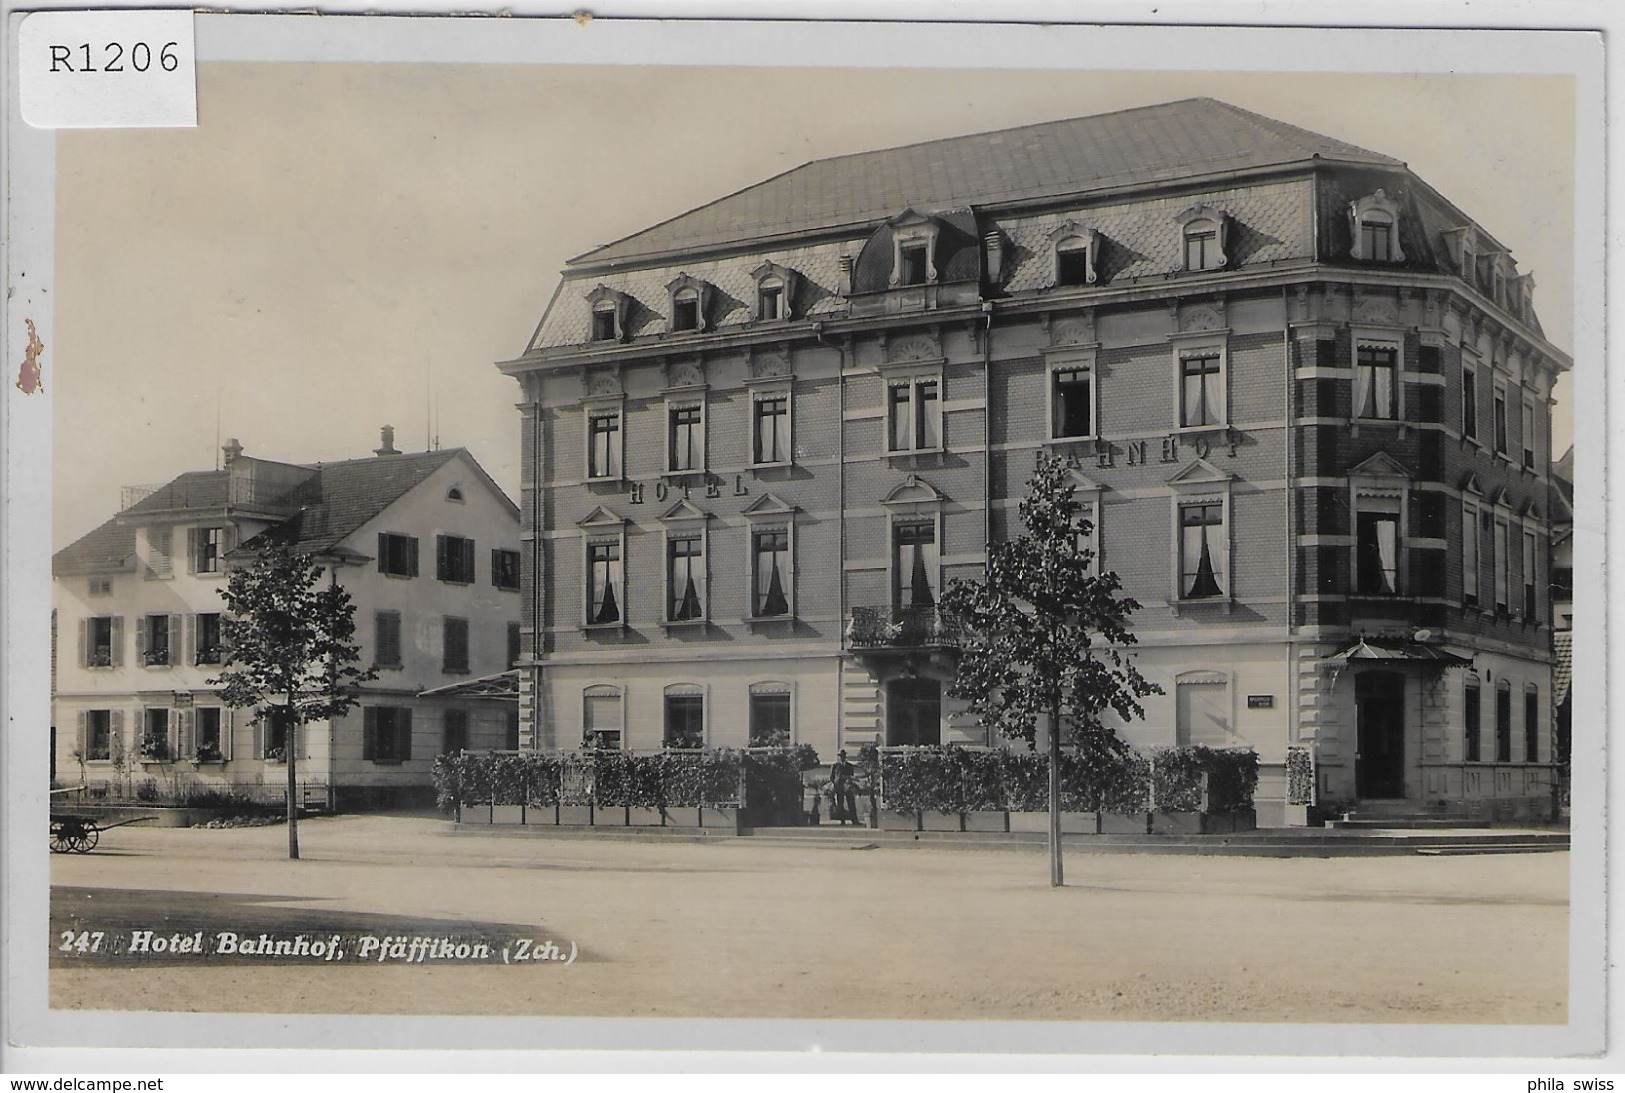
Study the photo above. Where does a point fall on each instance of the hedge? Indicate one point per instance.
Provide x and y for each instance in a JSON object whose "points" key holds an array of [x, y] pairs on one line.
{"points": [[955, 779], [673, 779]]}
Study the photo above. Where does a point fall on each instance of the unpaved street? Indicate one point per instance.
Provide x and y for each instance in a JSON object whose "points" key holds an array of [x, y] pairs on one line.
{"points": [[742, 927]]}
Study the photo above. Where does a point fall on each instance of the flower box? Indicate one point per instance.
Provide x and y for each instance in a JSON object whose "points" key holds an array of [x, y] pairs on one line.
{"points": [[1116, 823], [932, 820], [987, 820], [639, 816], [576, 815], [725, 817], [899, 821], [541, 815], [473, 814]]}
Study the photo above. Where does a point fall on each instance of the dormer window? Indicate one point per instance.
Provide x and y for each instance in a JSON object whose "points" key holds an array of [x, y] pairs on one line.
{"points": [[688, 299], [914, 238], [609, 309], [1204, 234], [1374, 224], [912, 264], [1076, 252], [775, 287]]}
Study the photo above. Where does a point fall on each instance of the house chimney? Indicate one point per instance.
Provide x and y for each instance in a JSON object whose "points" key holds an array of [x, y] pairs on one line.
{"points": [[386, 444], [232, 450], [995, 257], [844, 284]]}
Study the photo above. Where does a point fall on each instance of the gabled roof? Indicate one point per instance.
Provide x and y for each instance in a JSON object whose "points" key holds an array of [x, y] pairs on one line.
{"points": [[109, 547], [346, 495], [1168, 142]]}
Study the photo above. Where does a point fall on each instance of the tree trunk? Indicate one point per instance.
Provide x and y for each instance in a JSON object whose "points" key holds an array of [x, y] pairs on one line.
{"points": [[1056, 879], [291, 754]]}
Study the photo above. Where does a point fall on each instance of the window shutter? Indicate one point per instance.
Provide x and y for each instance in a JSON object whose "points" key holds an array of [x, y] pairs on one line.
{"points": [[84, 734], [141, 638], [259, 733], [192, 538], [117, 640], [177, 624], [228, 541], [181, 742], [115, 733], [228, 724], [84, 643], [369, 732], [441, 553], [383, 552], [189, 645], [412, 556], [403, 729], [467, 567]]}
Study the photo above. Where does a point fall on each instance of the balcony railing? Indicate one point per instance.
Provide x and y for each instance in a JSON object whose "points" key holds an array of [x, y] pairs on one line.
{"points": [[901, 628]]}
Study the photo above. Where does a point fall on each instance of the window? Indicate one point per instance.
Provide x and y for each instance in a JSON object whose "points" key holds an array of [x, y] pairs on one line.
{"points": [[152, 640], [516, 648], [770, 300], [1469, 402], [603, 323], [1377, 553], [685, 718], [386, 734], [1375, 233], [209, 745], [454, 644], [397, 555], [102, 641], [1201, 249], [98, 743], [913, 264], [1528, 435], [505, 569], [685, 310], [685, 578], [609, 309], [1499, 414], [454, 732], [1375, 221], [770, 573], [100, 586], [1469, 556], [277, 728], [454, 559], [685, 449], [1202, 709], [386, 632], [1503, 721], [210, 645], [1076, 250], [604, 443], [155, 741], [1563, 583], [1089, 512], [1531, 725], [1375, 389], [771, 434], [455, 495], [1201, 389], [1472, 718], [1531, 605], [914, 415], [1201, 551], [914, 565], [1072, 409], [1503, 567], [602, 722], [159, 542], [205, 549], [769, 715], [603, 583]]}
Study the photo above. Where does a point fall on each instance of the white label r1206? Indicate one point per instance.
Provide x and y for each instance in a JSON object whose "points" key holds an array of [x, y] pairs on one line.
{"points": [[114, 57]]}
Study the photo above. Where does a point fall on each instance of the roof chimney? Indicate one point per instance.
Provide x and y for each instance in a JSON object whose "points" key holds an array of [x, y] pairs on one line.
{"points": [[844, 282], [386, 445], [232, 450]]}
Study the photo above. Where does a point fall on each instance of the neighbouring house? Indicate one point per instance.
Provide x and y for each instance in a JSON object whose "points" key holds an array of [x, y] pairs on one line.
{"points": [[1304, 396], [428, 547]]}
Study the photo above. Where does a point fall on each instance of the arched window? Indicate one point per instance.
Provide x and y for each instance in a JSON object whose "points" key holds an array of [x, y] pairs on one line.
{"points": [[689, 296], [1202, 708], [771, 705], [1374, 226], [1204, 235], [603, 716], [1076, 252], [684, 722]]}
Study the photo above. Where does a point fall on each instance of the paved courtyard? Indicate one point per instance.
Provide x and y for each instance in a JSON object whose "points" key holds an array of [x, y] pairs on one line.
{"points": [[743, 927]]}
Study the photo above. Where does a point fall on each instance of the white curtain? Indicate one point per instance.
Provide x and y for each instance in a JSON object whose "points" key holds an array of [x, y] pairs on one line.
{"points": [[1388, 553]]}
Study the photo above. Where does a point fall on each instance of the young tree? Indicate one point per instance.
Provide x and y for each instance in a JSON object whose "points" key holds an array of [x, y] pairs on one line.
{"points": [[1044, 636], [290, 648]]}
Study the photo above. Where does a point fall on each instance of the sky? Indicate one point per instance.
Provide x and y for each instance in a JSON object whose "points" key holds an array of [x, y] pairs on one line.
{"points": [[336, 247]]}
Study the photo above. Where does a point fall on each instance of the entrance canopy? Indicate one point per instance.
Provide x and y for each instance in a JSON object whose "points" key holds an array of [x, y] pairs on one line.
{"points": [[502, 685], [1398, 652]]}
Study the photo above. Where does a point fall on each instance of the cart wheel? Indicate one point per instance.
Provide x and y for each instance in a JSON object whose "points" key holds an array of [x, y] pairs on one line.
{"points": [[87, 839], [60, 842]]}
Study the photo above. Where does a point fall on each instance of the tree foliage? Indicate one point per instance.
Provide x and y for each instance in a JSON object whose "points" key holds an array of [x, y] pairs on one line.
{"points": [[290, 639], [1043, 633]]}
